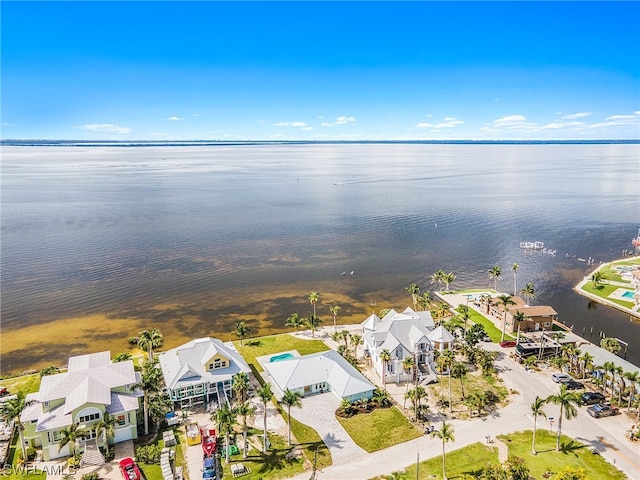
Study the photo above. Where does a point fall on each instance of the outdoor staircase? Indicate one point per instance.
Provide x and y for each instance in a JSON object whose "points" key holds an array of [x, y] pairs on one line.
{"points": [[91, 455], [426, 376]]}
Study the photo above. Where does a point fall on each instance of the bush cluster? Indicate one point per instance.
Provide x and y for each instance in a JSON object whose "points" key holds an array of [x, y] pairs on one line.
{"points": [[149, 454]]}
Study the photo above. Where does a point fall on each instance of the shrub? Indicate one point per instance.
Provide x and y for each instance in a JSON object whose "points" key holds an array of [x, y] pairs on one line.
{"points": [[90, 476], [148, 454]]}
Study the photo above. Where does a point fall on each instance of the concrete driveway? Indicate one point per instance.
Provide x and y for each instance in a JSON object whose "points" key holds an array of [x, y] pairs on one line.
{"points": [[318, 412]]}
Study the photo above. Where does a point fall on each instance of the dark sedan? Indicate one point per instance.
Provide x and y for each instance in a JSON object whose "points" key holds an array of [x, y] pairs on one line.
{"points": [[591, 398], [573, 385]]}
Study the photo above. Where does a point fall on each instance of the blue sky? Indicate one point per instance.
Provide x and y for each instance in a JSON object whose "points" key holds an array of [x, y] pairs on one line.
{"points": [[321, 70]]}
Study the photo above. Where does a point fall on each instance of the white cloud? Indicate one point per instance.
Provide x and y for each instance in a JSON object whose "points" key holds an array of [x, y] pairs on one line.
{"points": [[424, 125], [104, 128], [621, 117], [325, 124], [175, 119], [559, 125], [307, 128], [510, 119], [449, 122], [573, 116], [289, 124], [344, 120]]}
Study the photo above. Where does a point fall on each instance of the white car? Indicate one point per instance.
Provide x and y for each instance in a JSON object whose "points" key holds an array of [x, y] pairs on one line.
{"points": [[561, 377]]}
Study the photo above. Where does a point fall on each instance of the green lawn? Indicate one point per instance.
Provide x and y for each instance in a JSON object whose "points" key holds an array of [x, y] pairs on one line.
{"points": [[379, 429], [604, 291], [23, 384], [494, 333], [277, 343]]}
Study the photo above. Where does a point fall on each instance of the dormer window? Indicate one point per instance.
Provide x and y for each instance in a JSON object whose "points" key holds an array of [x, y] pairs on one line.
{"points": [[45, 404], [218, 363]]}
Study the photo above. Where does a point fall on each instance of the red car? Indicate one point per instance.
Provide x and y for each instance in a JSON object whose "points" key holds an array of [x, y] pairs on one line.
{"points": [[507, 344], [129, 469]]}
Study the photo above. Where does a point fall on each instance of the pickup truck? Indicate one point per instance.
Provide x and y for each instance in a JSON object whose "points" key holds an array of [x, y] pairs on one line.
{"points": [[602, 410]]}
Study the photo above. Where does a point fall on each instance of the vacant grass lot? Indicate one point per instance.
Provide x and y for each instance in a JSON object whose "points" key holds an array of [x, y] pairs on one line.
{"points": [[23, 384], [494, 333], [379, 429], [277, 343]]}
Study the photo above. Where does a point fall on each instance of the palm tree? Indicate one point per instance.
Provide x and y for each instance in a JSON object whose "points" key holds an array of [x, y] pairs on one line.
{"points": [[313, 299], [443, 310], [416, 395], [334, 311], [240, 384], [159, 406], [245, 409], [225, 418], [519, 317], [382, 397], [10, 411], [598, 278], [70, 435], [586, 360], [459, 370], [465, 314], [294, 321], [122, 357], [514, 269], [106, 425], [148, 340], [609, 368], [537, 410], [505, 300], [446, 435], [407, 365], [242, 331], [610, 344], [634, 379], [448, 357], [356, 341], [448, 279], [437, 277], [424, 300], [568, 401], [313, 323], [495, 273], [290, 399], [265, 395], [528, 292], [385, 356], [150, 378], [414, 291]]}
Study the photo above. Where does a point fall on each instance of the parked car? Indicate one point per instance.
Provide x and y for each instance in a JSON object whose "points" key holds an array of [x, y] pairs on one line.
{"points": [[591, 398], [602, 410], [129, 469], [507, 344], [209, 468], [561, 378], [573, 385]]}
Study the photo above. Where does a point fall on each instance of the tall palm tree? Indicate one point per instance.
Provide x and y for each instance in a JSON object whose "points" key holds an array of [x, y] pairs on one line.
{"points": [[416, 395], [313, 323], [290, 399], [598, 278], [245, 409], [294, 321], [448, 356], [459, 370], [159, 406], [385, 356], [519, 317], [465, 314], [106, 425], [334, 311], [225, 418], [634, 379], [414, 291], [505, 300], [528, 292], [610, 344], [609, 368], [446, 435], [240, 383], [437, 277], [495, 273], [586, 361], [514, 269], [538, 411], [568, 400], [356, 341], [69, 436], [407, 365], [313, 299], [265, 394], [424, 300], [10, 411], [448, 279], [148, 340], [242, 332], [150, 379]]}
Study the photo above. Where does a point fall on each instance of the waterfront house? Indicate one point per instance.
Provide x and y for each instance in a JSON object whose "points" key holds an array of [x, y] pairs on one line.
{"points": [[317, 373], [403, 335], [200, 371], [91, 387], [539, 317]]}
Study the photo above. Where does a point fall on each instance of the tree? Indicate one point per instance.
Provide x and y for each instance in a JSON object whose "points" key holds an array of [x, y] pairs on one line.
{"points": [[148, 340], [519, 317], [69, 436], [495, 273], [459, 370], [313, 323], [313, 299], [159, 406], [50, 370], [571, 473], [290, 399], [416, 395], [242, 331], [150, 384], [106, 425], [528, 292], [414, 291], [356, 341], [407, 365], [10, 411], [294, 321], [586, 362], [122, 357], [245, 409], [443, 310], [598, 278], [385, 357], [437, 277], [225, 418], [609, 368], [448, 279], [265, 394], [465, 315], [334, 311], [240, 384], [568, 401], [634, 379], [537, 409], [514, 269], [341, 336], [424, 300], [382, 397], [505, 300], [446, 435], [345, 407], [610, 344]]}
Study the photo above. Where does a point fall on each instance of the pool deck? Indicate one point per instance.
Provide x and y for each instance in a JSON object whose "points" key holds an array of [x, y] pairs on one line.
{"points": [[264, 359]]}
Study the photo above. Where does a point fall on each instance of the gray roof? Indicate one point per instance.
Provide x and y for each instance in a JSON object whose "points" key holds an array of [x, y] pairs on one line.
{"points": [[122, 402], [185, 365], [404, 329], [600, 356], [328, 366], [441, 335]]}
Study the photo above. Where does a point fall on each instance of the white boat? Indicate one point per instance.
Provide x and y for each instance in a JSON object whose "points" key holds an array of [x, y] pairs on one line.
{"points": [[532, 245]]}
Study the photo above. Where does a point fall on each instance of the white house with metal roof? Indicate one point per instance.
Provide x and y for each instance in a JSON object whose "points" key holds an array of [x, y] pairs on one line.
{"points": [[201, 370], [91, 387], [317, 373], [403, 335]]}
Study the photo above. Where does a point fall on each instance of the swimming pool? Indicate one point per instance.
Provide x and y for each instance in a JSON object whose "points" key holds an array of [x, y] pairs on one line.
{"points": [[282, 356], [628, 294]]}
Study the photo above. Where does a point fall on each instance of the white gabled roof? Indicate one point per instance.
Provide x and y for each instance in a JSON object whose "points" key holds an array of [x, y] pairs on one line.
{"points": [[371, 322], [186, 364], [441, 335], [404, 329], [329, 367]]}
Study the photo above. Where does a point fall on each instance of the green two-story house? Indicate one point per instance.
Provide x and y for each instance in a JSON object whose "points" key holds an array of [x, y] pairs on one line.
{"points": [[91, 387]]}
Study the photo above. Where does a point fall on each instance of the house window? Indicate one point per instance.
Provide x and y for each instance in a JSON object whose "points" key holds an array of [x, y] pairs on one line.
{"points": [[89, 418], [217, 363], [122, 420], [399, 353], [45, 404], [54, 436], [546, 324]]}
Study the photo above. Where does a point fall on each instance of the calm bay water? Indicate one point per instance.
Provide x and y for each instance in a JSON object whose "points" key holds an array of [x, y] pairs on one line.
{"points": [[101, 242]]}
